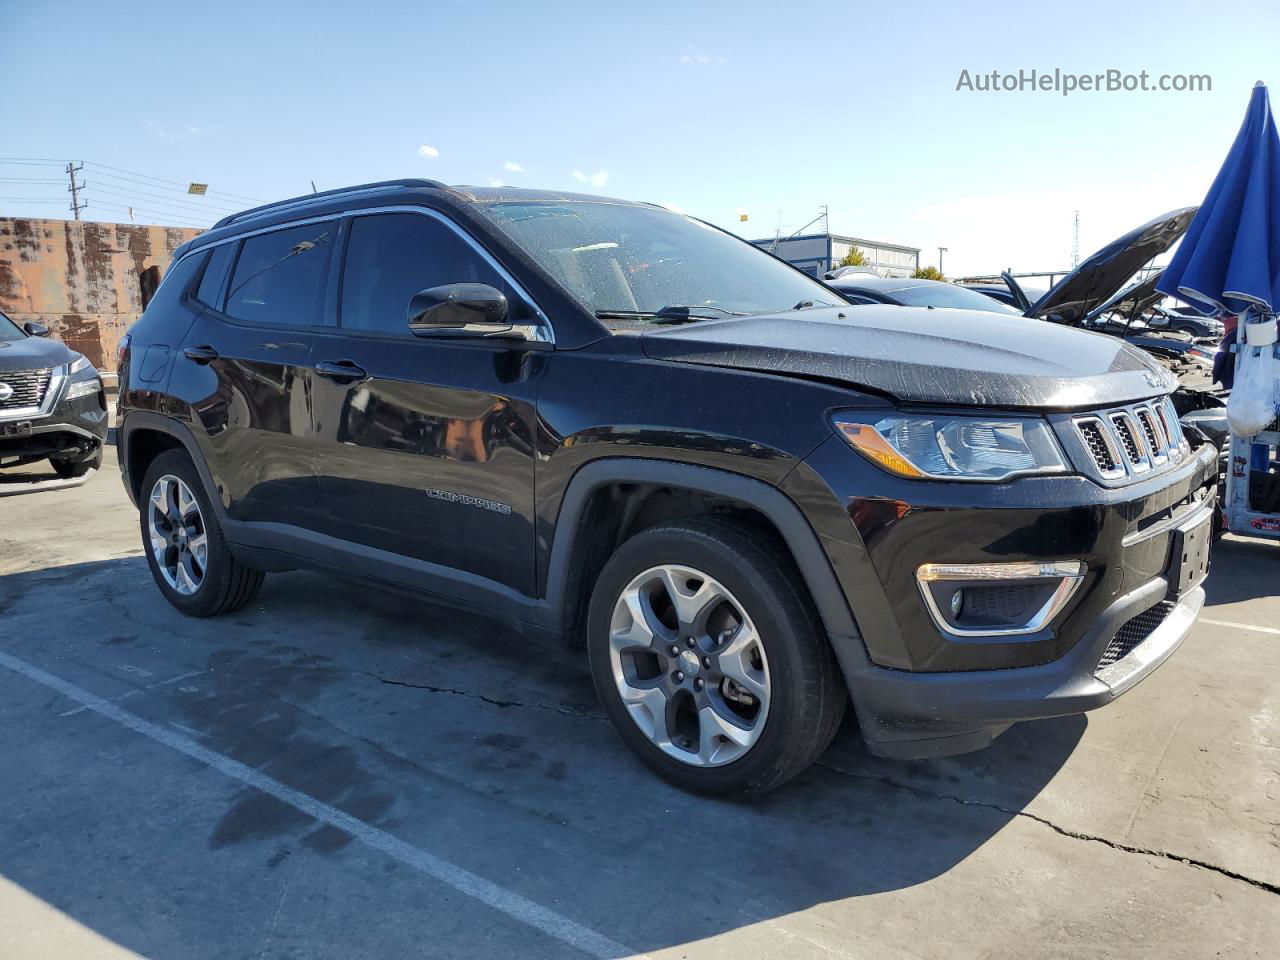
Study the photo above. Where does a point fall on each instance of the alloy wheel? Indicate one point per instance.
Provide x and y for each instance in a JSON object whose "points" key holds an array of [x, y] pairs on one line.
{"points": [[178, 539], [689, 665]]}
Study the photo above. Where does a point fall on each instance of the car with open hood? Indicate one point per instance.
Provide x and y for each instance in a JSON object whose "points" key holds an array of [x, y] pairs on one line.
{"points": [[749, 503], [52, 404], [1133, 314]]}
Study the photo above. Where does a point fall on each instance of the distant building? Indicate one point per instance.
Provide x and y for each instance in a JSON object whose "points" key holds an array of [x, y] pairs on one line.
{"points": [[82, 280], [816, 253]]}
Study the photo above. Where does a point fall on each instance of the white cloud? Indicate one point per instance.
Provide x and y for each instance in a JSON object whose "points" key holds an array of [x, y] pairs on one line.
{"points": [[495, 182], [675, 208], [428, 151], [700, 60], [597, 179], [512, 167]]}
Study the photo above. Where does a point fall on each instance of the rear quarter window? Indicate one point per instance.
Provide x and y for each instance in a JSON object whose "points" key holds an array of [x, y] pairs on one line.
{"points": [[214, 278], [176, 284]]}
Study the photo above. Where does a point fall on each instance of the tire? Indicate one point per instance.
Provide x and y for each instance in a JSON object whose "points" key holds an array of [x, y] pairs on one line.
{"points": [[218, 585], [802, 694], [70, 469]]}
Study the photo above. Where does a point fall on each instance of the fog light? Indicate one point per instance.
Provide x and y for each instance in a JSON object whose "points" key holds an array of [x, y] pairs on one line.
{"points": [[997, 599]]}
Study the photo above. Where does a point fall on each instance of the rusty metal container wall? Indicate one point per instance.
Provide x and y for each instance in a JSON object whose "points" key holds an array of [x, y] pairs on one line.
{"points": [[81, 278]]}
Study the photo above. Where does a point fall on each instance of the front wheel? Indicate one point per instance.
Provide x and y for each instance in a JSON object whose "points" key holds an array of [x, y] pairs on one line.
{"points": [[710, 660], [71, 469]]}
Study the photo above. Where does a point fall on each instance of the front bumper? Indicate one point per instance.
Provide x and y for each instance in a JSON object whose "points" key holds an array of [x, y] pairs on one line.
{"points": [[919, 691], [912, 715], [72, 429]]}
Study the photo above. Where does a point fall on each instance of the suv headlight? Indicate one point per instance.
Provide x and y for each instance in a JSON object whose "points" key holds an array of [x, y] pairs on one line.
{"points": [[955, 447], [83, 379]]}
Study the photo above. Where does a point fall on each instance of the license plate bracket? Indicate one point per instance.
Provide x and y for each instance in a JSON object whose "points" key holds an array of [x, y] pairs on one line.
{"points": [[15, 428], [1189, 556]]}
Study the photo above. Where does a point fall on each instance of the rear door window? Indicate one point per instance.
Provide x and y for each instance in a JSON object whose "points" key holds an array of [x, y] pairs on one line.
{"points": [[392, 256], [279, 277]]}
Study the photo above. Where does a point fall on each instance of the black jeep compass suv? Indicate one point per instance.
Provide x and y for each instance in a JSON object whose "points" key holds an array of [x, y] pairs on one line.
{"points": [[750, 501]]}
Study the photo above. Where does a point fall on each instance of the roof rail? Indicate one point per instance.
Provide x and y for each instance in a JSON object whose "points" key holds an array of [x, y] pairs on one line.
{"points": [[309, 198]]}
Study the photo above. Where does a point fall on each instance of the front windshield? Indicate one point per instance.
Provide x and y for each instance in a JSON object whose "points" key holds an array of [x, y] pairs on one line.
{"points": [[948, 295], [10, 330], [621, 258]]}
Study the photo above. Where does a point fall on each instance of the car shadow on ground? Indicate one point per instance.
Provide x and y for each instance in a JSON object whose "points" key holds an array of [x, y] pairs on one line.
{"points": [[473, 743], [1242, 569]]}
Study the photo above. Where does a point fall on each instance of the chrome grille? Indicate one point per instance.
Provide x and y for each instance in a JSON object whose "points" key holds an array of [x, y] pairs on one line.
{"points": [[28, 388], [1157, 441], [1133, 440], [1098, 439]]}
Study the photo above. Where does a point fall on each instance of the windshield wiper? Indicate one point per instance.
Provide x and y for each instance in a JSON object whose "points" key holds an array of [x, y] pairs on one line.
{"points": [[806, 304], [675, 313]]}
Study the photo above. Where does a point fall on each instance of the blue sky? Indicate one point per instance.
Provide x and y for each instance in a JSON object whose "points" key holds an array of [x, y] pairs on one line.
{"points": [[712, 107]]}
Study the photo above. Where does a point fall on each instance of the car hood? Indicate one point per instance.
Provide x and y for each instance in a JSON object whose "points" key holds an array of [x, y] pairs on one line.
{"points": [[1105, 272], [33, 352], [1133, 300], [926, 355]]}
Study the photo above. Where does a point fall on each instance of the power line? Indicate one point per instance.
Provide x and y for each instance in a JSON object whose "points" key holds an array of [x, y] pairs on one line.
{"points": [[148, 205], [176, 183], [49, 161], [168, 200], [132, 181], [166, 219]]}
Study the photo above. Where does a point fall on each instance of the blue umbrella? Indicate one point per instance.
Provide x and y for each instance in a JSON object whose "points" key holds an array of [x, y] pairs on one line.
{"points": [[1230, 260], [1230, 257]]}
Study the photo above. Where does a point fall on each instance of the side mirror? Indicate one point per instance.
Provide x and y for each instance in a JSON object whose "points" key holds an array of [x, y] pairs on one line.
{"points": [[34, 329], [466, 309]]}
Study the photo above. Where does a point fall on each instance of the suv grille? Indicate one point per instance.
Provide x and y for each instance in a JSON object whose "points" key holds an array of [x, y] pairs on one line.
{"points": [[1131, 440], [1134, 631], [28, 388]]}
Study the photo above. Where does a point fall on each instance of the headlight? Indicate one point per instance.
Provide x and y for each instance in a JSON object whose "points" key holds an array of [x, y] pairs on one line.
{"points": [[81, 385], [955, 448]]}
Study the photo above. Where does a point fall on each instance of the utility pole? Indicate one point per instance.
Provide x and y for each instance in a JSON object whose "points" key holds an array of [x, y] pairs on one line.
{"points": [[1075, 242], [941, 251], [74, 190]]}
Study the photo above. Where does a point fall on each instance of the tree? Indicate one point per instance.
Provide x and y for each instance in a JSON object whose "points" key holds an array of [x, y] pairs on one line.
{"points": [[927, 273], [854, 258]]}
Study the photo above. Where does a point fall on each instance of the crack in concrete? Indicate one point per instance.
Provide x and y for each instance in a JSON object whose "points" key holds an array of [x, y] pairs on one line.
{"points": [[551, 707], [1064, 831]]}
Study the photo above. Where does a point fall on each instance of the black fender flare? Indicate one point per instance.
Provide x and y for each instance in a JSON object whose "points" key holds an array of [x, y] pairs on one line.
{"points": [[786, 517], [137, 420]]}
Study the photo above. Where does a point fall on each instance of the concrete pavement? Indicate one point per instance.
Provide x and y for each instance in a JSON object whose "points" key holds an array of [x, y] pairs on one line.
{"points": [[341, 772]]}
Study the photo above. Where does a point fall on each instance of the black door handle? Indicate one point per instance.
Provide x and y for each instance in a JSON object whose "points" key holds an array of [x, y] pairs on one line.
{"points": [[201, 355], [341, 371]]}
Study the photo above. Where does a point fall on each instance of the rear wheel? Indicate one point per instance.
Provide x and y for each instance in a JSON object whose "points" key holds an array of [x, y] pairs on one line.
{"points": [[189, 559], [709, 658]]}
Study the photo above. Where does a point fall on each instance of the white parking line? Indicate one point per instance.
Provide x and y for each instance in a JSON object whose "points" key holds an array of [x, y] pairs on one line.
{"points": [[464, 881], [1239, 626]]}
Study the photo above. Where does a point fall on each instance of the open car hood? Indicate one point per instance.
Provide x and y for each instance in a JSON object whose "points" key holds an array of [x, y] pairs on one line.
{"points": [[1103, 273], [925, 355], [1133, 300]]}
